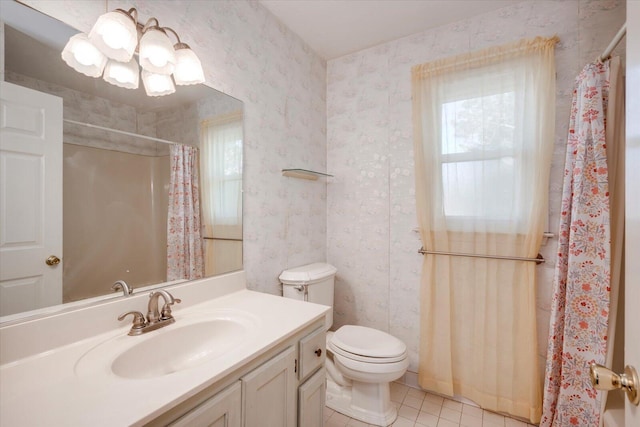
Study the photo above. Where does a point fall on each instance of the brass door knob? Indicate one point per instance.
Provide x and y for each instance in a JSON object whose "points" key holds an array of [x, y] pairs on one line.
{"points": [[604, 378], [318, 352], [53, 260]]}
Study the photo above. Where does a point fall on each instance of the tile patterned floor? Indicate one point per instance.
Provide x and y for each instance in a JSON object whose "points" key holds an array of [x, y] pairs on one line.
{"points": [[417, 408]]}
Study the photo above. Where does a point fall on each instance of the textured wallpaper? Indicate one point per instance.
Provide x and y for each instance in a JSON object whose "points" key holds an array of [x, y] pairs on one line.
{"points": [[248, 54], [362, 220], [371, 205]]}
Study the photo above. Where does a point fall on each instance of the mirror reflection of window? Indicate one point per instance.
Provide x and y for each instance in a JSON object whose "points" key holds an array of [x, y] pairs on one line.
{"points": [[221, 176]]}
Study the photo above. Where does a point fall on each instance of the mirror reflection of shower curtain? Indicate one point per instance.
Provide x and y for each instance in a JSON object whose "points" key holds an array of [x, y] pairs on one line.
{"points": [[184, 239], [221, 167]]}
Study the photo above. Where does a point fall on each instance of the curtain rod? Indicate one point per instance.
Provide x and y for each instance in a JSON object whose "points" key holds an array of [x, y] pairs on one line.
{"points": [[122, 132], [616, 39], [538, 260]]}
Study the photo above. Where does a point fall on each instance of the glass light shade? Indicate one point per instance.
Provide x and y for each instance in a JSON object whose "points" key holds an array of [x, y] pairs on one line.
{"points": [[188, 69], [116, 36], [81, 55], [156, 52], [157, 84], [122, 74]]}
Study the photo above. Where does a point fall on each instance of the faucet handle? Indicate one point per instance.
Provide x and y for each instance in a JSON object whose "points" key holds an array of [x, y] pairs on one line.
{"points": [[138, 321], [166, 308]]}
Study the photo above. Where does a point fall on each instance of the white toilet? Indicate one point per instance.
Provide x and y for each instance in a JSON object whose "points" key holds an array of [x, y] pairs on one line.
{"points": [[361, 361]]}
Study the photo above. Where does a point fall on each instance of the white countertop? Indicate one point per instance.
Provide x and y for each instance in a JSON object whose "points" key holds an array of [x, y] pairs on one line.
{"points": [[46, 389]]}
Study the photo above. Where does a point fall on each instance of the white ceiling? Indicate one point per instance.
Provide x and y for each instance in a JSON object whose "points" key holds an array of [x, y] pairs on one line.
{"points": [[333, 28]]}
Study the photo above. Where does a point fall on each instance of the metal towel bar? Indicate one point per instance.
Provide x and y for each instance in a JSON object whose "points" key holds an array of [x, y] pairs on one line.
{"points": [[222, 238], [538, 260]]}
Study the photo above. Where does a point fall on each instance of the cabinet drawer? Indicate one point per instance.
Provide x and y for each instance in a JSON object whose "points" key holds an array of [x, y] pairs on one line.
{"points": [[312, 352]]}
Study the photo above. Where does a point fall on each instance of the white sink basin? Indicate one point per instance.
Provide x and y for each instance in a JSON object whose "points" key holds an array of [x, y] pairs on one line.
{"points": [[187, 343]]}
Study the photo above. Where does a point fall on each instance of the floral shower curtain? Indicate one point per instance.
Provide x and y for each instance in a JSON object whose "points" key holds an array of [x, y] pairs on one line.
{"points": [[184, 236], [580, 306]]}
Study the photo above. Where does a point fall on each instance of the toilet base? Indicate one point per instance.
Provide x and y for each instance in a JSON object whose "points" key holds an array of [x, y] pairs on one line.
{"points": [[366, 402]]}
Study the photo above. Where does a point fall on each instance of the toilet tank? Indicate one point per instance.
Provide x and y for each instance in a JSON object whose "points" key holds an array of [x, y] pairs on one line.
{"points": [[311, 282]]}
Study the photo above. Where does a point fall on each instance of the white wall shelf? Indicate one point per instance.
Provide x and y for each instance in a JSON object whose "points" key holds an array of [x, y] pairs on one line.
{"points": [[305, 174]]}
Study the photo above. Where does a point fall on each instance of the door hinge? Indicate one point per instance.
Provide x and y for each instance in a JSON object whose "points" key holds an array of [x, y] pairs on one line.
{"points": [[295, 366]]}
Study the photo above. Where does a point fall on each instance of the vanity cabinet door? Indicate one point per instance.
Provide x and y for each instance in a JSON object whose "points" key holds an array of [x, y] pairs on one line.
{"points": [[269, 393], [222, 410], [311, 396]]}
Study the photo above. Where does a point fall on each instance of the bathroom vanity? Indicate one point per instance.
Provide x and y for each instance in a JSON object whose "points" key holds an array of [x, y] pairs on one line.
{"points": [[233, 357]]}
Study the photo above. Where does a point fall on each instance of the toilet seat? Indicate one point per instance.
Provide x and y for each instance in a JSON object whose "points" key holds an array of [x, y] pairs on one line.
{"points": [[362, 370], [366, 345]]}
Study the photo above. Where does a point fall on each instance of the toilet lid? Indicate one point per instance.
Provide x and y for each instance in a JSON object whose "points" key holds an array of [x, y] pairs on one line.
{"points": [[361, 342]]}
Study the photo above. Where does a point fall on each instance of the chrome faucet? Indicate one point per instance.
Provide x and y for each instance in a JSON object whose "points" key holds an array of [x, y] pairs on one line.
{"points": [[153, 314], [122, 285], [156, 318]]}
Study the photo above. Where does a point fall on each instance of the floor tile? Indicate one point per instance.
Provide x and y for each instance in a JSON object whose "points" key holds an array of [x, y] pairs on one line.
{"points": [[510, 422], [416, 393], [472, 410], [356, 423], [426, 419], [334, 423], [408, 412], [414, 402], [470, 421], [446, 423], [493, 418], [417, 408], [434, 399], [431, 408], [327, 412], [452, 404], [403, 422], [451, 415], [337, 417]]}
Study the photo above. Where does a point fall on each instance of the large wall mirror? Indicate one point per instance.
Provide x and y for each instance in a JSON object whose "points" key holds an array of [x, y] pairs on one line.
{"points": [[129, 162]]}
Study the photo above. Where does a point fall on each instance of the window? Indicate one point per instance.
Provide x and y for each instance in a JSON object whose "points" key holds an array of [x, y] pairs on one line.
{"points": [[221, 170], [478, 154], [483, 125]]}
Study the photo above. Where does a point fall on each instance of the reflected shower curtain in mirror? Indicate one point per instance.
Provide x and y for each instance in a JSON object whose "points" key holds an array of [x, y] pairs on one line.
{"points": [[184, 238], [483, 141], [578, 332]]}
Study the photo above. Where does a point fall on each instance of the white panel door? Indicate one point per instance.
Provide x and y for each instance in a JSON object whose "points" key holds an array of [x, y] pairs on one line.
{"points": [[30, 199], [632, 201]]}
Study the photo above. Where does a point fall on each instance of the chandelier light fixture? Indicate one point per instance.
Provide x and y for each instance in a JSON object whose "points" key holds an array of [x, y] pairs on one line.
{"points": [[108, 51]]}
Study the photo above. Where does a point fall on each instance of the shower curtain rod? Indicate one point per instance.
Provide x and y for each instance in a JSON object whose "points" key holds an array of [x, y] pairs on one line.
{"points": [[538, 260], [616, 39], [122, 132]]}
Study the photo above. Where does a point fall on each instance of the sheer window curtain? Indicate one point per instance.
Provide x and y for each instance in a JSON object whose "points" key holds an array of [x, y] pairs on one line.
{"points": [[221, 166], [483, 141]]}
